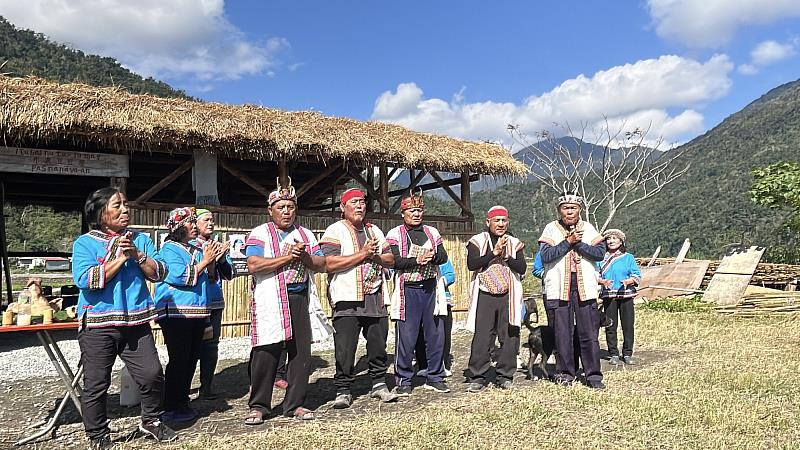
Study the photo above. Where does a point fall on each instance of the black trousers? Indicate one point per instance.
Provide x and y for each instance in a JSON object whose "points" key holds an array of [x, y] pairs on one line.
{"points": [[209, 352], [620, 310], [264, 362], [99, 348], [581, 318], [492, 316], [183, 338], [419, 350], [345, 341]]}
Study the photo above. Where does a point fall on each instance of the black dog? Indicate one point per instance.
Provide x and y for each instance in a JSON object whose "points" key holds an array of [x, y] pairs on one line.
{"points": [[541, 340]]}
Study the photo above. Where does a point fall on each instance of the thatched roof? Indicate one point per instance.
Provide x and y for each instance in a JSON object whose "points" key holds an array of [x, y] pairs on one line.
{"points": [[32, 109]]}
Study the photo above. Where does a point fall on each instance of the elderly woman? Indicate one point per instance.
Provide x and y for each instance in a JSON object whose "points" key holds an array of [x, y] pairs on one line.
{"points": [[569, 248], [182, 301], [110, 265], [619, 276]]}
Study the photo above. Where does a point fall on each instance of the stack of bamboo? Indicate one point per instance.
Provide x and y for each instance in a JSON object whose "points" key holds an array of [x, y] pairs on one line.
{"points": [[760, 302]]}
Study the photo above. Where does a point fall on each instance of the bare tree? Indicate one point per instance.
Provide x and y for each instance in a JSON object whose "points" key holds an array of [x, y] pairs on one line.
{"points": [[610, 168]]}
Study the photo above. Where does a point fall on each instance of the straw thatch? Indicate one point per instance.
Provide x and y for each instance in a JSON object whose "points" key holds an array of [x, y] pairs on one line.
{"points": [[32, 109]]}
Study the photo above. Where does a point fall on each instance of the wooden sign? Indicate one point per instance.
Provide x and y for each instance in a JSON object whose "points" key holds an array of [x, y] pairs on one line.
{"points": [[62, 162], [672, 279], [731, 278]]}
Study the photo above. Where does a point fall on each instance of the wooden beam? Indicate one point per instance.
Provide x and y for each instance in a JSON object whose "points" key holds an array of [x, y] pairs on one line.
{"points": [[244, 178], [383, 181], [313, 182], [370, 189], [432, 185], [466, 195], [413, 183], [283, 173], [148, 194], [464, 210]]}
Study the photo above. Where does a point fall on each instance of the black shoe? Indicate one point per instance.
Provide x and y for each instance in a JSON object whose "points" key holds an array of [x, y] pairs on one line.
{"points": [[475, 387], [158, 431], [629, 360], [402, 391], [507, 384], [438, 386], [102, 443], [597, 385]]}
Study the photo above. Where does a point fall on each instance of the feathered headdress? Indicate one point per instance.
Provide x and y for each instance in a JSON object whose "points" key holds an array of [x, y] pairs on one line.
{"points": [[282, 193]]}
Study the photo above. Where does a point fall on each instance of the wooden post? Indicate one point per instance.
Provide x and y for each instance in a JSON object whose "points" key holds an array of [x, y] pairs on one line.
{"points": [[4, 249], [121, 183], [283, 172], [466, 210], [371, 183], [383, 180], [683, 252]]}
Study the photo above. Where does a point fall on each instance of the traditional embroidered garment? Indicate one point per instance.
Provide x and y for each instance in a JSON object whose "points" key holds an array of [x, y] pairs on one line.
{"points": [[498, 267], [367, 278], [223, 271], [398, 236], [122, 300], [618, 266], [185, 291], [557, 274], [269, 303]]}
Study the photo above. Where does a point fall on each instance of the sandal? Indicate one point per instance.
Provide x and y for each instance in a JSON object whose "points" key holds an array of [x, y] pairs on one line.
{"points": [[303, 414], [254, 417]]}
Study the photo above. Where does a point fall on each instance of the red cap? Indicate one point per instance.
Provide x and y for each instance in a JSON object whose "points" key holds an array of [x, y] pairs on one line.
{"points": [[496, 211], [351, 194]]}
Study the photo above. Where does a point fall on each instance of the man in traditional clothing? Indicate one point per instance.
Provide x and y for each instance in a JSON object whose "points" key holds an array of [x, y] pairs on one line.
{"points": [[282, 257], [497, 263], [418, 298], [223, 270], [569, 248], [356, 253]]}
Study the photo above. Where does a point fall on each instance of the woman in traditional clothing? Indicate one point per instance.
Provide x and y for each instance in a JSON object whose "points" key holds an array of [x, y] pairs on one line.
{"points": [[110, 265], [182, 301], [619, 276]]}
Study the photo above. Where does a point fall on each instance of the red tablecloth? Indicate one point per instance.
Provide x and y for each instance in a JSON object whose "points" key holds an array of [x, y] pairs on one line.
{"points": [[39, 327]]}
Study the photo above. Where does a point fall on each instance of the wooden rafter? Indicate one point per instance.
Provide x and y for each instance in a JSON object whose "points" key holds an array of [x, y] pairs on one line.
{"points": [[413, 183], [244, 178], [323, 175], [148, 194], [464, 209], [370, 189]]}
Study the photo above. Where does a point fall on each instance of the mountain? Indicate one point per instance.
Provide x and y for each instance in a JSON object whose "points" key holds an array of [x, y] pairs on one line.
{"points": [[709, 204], [24, 52]]}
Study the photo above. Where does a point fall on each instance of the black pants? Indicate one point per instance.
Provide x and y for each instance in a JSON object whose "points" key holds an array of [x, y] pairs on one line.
{"points": [[581, 318], [281, 373], [345, 341], [209, 352], [492, 315], [419, 350], [99, 348], [264, 362], [622, 308], [183, 338]]}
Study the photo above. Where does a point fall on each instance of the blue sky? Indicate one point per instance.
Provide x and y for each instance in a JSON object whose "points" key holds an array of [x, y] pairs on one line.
{"points": [[465, 69]]}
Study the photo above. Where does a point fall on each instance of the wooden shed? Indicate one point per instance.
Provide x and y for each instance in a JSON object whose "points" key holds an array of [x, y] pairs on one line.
{"points": [[62, 141]]}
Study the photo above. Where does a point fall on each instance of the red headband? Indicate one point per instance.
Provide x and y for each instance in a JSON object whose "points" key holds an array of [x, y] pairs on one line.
{"points": [[351, 194], [496, 211]]}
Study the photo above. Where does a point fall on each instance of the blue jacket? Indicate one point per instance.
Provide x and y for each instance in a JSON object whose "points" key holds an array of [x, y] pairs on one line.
{"points": [[122, 300], [185, 291], [224, 271], [538, 266], [449, 274], [617, 267]]}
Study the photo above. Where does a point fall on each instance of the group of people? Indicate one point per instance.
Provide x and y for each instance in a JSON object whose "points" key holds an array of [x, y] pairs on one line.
{"points": [[374, 279]]}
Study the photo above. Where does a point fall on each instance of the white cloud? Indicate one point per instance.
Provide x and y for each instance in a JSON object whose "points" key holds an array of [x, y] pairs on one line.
{"points": [[766, 53], [712, 23], [747, 69], [161, 38], [662, 95]]}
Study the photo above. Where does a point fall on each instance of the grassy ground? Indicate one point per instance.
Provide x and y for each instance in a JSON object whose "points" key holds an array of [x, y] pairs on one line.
{"points": [[717, 383]]}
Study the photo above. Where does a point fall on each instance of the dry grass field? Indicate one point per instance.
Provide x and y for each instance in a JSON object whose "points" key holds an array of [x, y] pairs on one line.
{"points": [[706, 381]]}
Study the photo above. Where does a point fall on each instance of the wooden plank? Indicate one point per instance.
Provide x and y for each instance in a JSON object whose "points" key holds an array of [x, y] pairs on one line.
{"points": [[655, 255], [313, 182], [63, 162], [671, 279], [450, 192], [431, 185], [166, 181], [733, 275], [683, 252], [244, 178]]}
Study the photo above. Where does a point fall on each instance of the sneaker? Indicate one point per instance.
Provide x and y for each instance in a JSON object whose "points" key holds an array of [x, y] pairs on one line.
{"points": [[438, 386], [179, 416], [158, 431], [281, 384], [628, 360], [475, 387], [102, 443], [422, 373], [343, 400], [402, 391], [614, 360], [382, 392], [447, 373], [507, 384]]}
